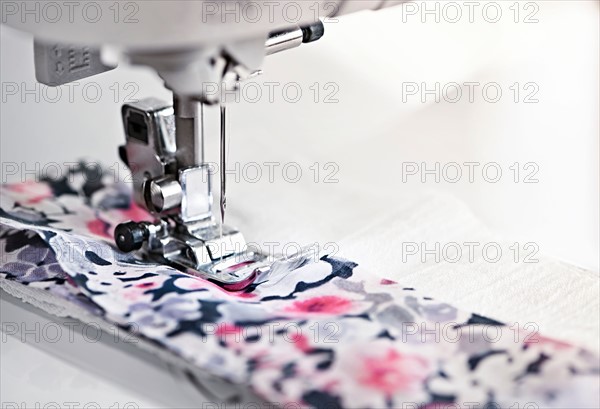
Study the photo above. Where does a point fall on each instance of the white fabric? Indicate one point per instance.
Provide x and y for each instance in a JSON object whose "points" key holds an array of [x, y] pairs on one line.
{"points": [[555, 298]]}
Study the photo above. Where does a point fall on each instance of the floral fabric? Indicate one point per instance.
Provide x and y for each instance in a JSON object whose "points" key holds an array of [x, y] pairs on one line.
{"points": [[325, 335]]}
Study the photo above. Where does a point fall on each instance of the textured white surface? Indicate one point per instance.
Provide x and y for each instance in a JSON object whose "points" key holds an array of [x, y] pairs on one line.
{"points": [[548, 296]]}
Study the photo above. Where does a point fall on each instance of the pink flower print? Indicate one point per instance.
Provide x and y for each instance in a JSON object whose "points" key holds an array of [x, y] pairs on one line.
{"points": [[33, 192], [393, 372], [301, 342], [134, 213], [323, 305], [100, 228]]}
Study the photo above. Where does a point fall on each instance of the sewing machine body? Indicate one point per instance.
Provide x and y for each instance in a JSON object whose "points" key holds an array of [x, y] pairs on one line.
{"points": [[200, 49]]}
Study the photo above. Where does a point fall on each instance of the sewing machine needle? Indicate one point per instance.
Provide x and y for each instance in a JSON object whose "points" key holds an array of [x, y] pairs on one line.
{"points": [[223, 163]]}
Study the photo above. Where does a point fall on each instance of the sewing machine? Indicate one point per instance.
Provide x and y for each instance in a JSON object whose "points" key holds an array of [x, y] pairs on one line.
{"points": [[202, 50], [446, 132]]}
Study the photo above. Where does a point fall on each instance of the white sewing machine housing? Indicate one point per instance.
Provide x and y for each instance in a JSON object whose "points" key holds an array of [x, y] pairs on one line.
{"points": [[201, 50]]}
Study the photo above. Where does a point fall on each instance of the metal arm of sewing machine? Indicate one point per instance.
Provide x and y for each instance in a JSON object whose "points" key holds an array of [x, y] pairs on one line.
{"points": [[164, 150]]}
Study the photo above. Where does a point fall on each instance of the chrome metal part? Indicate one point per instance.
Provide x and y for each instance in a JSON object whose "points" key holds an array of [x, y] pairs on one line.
{"points": [[284, 40], [165, 151], [150, 148], [196, 203], [165, 193], [173, 183], [223, 166], [187, 131]]}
